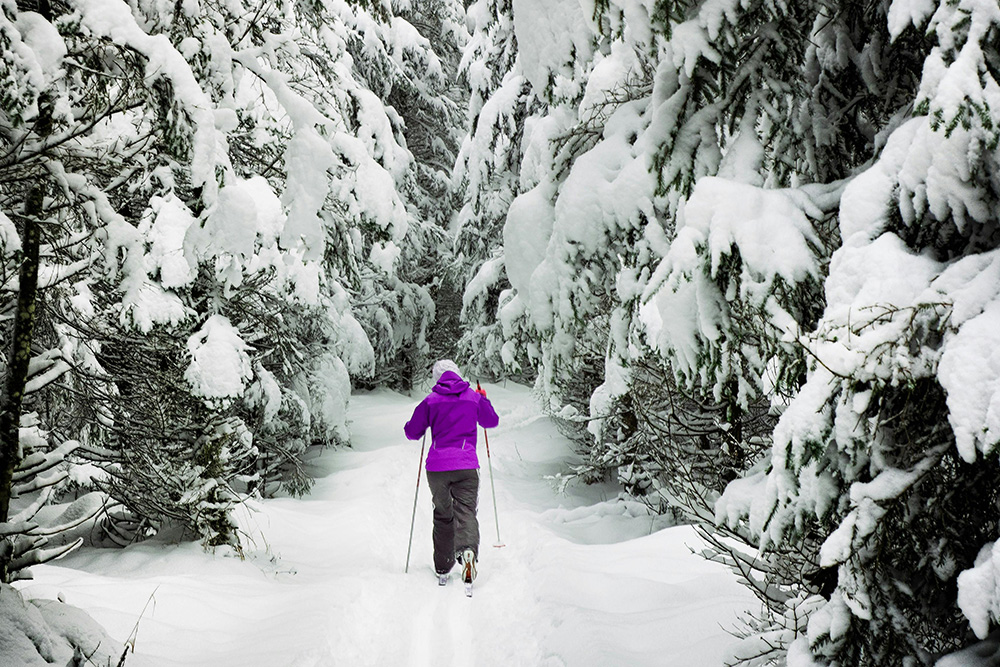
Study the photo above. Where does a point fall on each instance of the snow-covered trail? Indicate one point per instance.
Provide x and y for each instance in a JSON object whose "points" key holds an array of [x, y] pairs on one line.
{"points": [[582, 580]]}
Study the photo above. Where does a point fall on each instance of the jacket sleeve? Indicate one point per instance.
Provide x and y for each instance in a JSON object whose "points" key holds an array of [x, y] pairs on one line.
{"points": [[487, 416], [415, 428]]}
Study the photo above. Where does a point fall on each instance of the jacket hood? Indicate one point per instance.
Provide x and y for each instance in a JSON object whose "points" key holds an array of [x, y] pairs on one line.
{"points": [[450, 383], [444, 365]]}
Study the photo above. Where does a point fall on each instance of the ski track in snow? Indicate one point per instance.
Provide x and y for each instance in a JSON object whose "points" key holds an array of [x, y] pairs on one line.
{"points": [[581, 582]]}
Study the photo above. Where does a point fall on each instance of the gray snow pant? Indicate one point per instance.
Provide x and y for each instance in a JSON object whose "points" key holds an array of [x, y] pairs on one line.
{"points": [[455, 494]]}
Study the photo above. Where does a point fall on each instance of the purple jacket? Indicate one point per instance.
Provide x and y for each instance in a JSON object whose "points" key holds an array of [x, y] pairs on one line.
{"points": [[452, 410]]}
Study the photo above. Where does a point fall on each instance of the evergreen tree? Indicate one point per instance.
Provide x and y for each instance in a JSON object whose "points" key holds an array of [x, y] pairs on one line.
{"points": [[688, 187], [486, 179], [225, 194], [887, 452]]}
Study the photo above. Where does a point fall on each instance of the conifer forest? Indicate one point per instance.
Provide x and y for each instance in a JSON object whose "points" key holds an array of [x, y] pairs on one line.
{"points": [[746, 253]]}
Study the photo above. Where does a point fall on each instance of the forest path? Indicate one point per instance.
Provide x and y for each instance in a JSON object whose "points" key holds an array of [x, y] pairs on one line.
{"points": [[583, 580]]}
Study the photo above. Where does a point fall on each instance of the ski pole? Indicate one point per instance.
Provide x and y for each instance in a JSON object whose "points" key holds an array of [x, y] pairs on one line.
{"points": [[489, 461], [413, 518], [496, 515]]}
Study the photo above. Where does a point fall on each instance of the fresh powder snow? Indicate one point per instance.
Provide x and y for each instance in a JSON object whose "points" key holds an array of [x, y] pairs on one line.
{"points": [[583, 578]]}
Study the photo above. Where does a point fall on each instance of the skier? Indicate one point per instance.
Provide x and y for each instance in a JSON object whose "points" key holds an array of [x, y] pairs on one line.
{"points": [[452, 410]]}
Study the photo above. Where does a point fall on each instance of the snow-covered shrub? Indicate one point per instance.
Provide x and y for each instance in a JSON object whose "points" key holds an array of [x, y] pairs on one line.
{"points": [[36, 533], [169, 455]]}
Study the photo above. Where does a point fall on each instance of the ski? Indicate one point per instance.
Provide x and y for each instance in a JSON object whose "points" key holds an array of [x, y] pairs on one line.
{"points": [[468, 589], [443, 580]]}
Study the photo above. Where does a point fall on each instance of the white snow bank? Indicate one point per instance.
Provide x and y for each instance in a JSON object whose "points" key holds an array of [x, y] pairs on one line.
{"points": [[39, 633]]}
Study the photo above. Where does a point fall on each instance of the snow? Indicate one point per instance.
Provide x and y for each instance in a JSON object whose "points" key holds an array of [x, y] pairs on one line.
{"points": [[560, 241], [113, 19], [264, 391], [220, 367], [47, 632], [327, 389], [146, 305], [608, 74], [384, 256], [10, 241], [616, 384], [608, 190], [405, 38], [969, 368], [832, 621], [370, 189], [486, 277], [232, 223], [484, 145], [526, 235], [866, 511], [583, 579], [799, 654], [898, 310], [951, 80], [551, 36], [982, 654], [685, 307], [970, 373], [979, 590], [45, 48], [903, 13], [721, 214], [307, 157], [165, 236]]}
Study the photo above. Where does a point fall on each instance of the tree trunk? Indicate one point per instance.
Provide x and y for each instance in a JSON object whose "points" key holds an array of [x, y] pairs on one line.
{"points": [[24, 324], [20, 352]]}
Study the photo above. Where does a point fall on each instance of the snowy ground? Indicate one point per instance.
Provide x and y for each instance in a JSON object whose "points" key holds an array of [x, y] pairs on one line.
{"points": [[582, 581]]}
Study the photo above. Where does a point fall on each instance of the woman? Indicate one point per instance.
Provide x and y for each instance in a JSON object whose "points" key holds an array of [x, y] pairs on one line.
{"points": [[452, 411]]}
